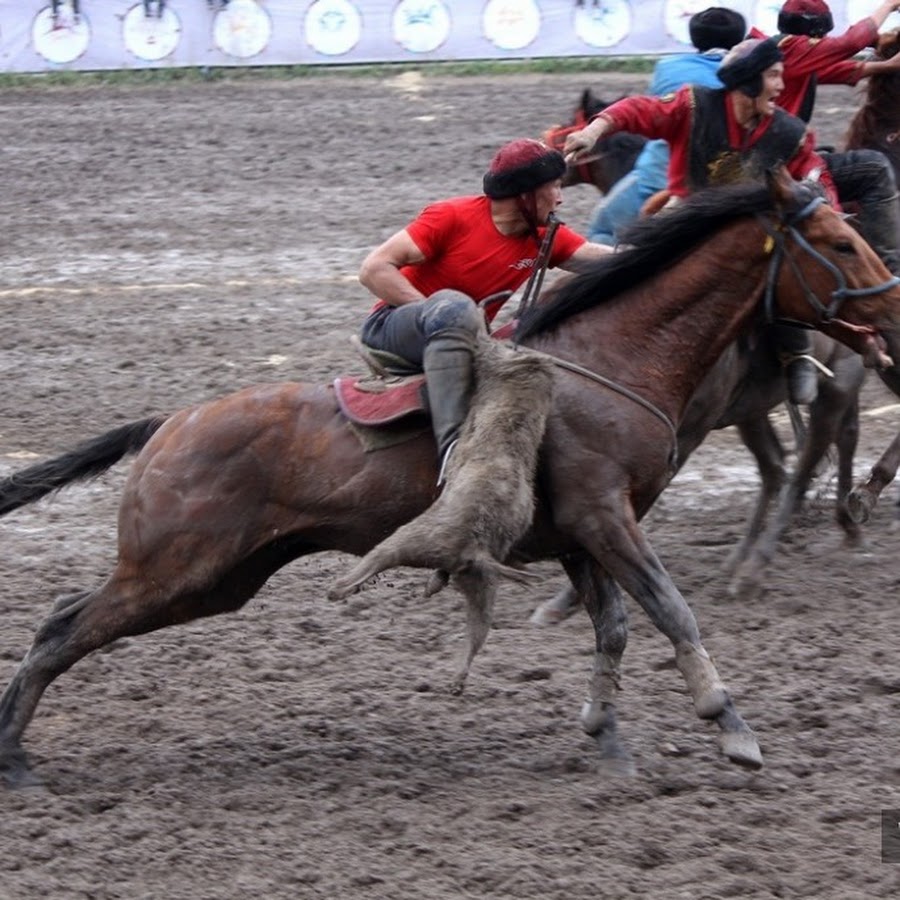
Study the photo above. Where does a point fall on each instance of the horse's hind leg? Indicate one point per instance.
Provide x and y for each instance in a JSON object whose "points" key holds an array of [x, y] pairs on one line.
{"points": [[604, 603], [59, 643]]}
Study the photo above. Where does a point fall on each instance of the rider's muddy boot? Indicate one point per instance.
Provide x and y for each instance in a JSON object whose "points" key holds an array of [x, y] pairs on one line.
{"points": [[448, 364], [795, 351]]}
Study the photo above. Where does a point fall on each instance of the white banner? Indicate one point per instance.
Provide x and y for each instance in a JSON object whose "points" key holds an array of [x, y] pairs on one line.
{"points": [[132, 34]]}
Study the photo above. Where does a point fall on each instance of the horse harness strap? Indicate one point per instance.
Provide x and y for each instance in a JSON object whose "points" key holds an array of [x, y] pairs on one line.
{"points": [[776, 243], [619, 389]]}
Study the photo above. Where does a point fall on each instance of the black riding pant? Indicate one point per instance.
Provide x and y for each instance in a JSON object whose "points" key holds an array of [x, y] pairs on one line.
{"points": [[866, 177], [405, 330]]}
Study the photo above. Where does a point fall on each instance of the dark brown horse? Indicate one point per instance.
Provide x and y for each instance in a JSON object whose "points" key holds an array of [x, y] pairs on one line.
{"points": [[223, 494], [612, 158]]}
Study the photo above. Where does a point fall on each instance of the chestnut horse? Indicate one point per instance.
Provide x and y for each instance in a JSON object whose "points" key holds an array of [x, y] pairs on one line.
{"points": [[223, 494]]}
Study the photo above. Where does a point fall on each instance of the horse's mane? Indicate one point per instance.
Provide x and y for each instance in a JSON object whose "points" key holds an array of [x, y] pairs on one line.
{"points": [[655, 243], [882, 99]]}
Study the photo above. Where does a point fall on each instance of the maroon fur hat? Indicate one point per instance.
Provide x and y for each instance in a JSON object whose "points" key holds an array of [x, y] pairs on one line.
{"points": [[522, 166], [810, 17]]}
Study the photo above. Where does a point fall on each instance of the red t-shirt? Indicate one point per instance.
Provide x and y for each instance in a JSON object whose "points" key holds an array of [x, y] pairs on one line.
{"points": [[670, 117], [464, 251], [829, 58]]}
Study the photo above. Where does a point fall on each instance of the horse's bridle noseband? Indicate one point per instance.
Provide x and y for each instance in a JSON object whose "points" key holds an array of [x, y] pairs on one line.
{"points": [[838, 295]]}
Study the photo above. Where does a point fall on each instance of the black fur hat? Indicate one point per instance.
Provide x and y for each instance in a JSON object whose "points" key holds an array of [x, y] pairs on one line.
{"points": [[522, 166], [742, 68], [717, 28]]}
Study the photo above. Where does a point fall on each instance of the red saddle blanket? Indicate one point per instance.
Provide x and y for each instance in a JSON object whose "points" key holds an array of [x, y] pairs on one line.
{"points": [[372, 401], [368, 401]]}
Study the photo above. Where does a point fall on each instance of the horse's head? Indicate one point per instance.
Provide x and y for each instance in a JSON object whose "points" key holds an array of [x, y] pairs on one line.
{"points": [[823, 272], [613, 157]]}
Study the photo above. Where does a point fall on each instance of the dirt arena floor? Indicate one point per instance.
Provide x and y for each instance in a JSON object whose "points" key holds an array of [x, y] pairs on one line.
{"points": [[167, 244]]}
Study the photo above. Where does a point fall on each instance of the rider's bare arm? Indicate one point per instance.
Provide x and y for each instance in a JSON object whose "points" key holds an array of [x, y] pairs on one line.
{"points": [[586, 254], [380, 271]]}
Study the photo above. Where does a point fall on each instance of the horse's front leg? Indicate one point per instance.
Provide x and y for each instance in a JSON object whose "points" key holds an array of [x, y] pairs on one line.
{"points": [[613, 537], [604, 603], [863, 498], [760, 439]]}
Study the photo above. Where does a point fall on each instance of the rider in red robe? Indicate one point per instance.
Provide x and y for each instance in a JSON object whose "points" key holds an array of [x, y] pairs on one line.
{"points": [[724, 136]]}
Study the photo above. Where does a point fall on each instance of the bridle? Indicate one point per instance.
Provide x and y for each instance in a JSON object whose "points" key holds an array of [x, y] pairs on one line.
{"points": [[776, 243]]}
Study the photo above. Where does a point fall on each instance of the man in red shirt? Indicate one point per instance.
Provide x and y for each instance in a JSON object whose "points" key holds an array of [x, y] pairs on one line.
{"points": [[430, 274], [721, 136]]}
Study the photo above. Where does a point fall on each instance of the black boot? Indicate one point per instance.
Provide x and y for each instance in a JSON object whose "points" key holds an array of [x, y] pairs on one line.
{"points": [[795, 352], [447, 361], [880, 225]]}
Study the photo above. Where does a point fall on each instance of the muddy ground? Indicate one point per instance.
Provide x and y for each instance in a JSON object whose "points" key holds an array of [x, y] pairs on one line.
{"points": [[167, 244]]}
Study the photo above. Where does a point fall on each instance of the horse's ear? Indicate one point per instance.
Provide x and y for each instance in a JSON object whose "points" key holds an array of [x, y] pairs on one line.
{"points": [[781, 185]]}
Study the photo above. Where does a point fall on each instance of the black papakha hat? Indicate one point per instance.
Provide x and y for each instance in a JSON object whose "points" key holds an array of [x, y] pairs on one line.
{"points": [[716, 28], [522, 166], [743, 65]]}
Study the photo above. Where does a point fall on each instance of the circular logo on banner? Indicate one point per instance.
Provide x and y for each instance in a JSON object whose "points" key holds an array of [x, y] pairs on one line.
{"points": [[677, 18], [511, 24], [242, 29], [333, 27], [765, 17], [148, 37], [421, 25], [604, 24], [62, 38]]}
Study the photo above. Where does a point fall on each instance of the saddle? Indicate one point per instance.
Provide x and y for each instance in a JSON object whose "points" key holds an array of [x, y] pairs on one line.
{"points": [[394, 390]]}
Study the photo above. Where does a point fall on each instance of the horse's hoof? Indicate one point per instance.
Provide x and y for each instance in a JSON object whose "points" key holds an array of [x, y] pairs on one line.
{"points": [[742, 748], [617, 766], [550, 613], [859, 506], [745, 587], [16, 774]]}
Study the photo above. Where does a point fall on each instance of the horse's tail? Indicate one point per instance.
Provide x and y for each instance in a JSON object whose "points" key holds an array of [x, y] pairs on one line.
{"points": [[87, 460]]}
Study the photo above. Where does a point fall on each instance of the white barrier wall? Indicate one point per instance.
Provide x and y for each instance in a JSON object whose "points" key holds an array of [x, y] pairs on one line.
{"points": [[118, 34]]}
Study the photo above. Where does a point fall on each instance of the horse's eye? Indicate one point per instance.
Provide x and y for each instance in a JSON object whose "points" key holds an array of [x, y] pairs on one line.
{"points": [[844, 247]]}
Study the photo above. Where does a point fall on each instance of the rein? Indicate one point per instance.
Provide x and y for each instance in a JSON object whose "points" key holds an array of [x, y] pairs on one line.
{"points": [[619, 389], [838, 295]]}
